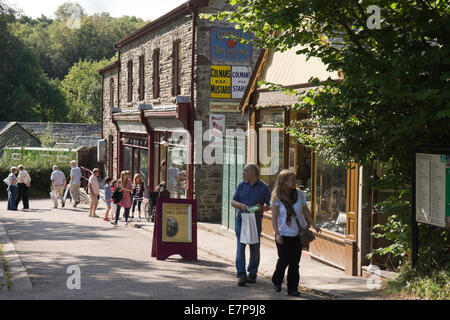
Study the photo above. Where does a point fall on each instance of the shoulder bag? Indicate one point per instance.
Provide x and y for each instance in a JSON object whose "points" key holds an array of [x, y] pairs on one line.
{"points": [[306, 235]]}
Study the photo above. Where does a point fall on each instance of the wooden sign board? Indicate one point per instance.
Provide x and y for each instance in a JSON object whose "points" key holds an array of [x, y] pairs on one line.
{"points": [[175, 229]]}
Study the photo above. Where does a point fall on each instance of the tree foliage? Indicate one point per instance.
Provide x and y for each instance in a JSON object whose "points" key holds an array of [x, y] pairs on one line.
{"points": [[26, 93], [60, 43], [47, 66], [393, 95], [396, 89], [83, 89]]}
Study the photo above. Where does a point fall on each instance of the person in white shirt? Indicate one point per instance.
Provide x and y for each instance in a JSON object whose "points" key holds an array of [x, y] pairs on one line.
{"points": [[94, 192], [75, 180], [172, 178], [58, 185], [23, 183], [289, 212]]}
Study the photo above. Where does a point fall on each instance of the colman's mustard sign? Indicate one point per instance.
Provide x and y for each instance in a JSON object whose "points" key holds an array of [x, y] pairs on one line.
{"points": [[221, 82]]}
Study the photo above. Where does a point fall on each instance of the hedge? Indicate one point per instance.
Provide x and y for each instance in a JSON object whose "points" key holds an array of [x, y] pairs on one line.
{"points": [[39, 164]]}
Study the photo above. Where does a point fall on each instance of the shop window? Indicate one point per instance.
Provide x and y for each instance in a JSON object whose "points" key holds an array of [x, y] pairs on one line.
{"points": [[156, 166], [271, 146], [331, 189], [269, 118], [143, 167], [127, 158], [177, 165], [270, 154]]}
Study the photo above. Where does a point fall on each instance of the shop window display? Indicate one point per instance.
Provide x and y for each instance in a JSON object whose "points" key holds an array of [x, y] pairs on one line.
{"points": [[331, 188], [271, 147], [127, 158]]}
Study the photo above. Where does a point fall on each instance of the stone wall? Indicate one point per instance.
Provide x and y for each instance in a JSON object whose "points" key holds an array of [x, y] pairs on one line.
{"points": [[180, 29], [109, 129], [207, 178]]}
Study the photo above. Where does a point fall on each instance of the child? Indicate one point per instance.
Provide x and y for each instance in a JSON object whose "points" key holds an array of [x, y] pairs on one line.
{"points": [[138, 194], [113, 185], [108, 197]]}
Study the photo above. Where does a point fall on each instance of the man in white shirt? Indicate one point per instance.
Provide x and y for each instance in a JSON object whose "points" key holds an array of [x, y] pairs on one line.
{"points": [[23, 183], [58, 185], [172, 177], [75, 180], [94, 192]]}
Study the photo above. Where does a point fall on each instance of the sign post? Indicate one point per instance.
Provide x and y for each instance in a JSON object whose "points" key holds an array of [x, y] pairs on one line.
{"points": [[175, 229]]}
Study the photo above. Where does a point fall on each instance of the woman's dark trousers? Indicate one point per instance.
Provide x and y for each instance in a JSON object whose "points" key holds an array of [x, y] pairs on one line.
{"points": [[125, 214], [22, 194], [289, 254]]}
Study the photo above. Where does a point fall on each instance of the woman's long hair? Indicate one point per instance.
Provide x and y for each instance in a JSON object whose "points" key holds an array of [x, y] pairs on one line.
{"points": [[282, 191], [137, 179], [123, 179]]}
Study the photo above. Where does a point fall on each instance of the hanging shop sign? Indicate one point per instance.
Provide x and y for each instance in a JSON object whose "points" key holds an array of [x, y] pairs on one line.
{"points": [[224, 49], [433, 189], [175, 229], [221, 82]]}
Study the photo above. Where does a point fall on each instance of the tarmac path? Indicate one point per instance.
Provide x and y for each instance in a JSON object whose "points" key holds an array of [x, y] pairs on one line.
{"points": [[114, 262]]}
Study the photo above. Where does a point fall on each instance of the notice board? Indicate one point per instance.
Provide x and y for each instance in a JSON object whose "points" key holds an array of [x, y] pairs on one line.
{"points": [[433, 189]]}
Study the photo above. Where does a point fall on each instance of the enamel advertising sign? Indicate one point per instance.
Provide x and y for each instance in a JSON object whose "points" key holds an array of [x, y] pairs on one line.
{"points": [[225, 50]]}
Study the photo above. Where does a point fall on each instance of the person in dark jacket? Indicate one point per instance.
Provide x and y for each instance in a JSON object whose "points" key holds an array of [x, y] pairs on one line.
{"points": [[138, 194]]}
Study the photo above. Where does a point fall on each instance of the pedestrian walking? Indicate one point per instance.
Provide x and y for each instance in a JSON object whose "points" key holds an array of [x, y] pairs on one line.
{"points": [[126, 187], [94, 192], [58, 186], [23, 183], [113, 185], [75, 180], [11, 181], [250, 192], [289, 212], [138, 194], [108, 197]]}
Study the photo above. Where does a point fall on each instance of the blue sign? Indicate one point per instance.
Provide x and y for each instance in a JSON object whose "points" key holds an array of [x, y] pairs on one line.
{"points": [[225, 50]]}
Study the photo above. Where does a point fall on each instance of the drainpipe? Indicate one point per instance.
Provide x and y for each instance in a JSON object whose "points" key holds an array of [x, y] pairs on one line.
{"points": [[101, 108], [190, 182]]}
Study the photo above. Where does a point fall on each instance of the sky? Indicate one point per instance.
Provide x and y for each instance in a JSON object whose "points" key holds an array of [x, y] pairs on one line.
{"points": [[145, 9]]}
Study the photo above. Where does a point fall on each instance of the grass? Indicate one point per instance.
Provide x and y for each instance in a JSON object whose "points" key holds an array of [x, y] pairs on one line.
{"points": [[6, 269], [413, 284]]}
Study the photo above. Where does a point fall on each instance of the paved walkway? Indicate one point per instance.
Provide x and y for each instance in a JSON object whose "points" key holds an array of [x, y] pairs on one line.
{"points": [[115, 262]]}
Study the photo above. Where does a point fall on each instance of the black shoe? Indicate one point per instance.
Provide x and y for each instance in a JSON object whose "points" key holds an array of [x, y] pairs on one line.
{"points": [[242, 282], [277, 288], [251, 279], [63, 204], [294, 293]]}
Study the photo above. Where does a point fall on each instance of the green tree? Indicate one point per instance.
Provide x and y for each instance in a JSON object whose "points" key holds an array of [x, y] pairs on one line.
{"points": [[26, 93], [395, 91], [83, 87], [61, 42]]}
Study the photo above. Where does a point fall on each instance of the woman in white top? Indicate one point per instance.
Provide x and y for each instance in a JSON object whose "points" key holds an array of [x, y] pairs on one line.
{"points": [[287, 204], [12, 189]]}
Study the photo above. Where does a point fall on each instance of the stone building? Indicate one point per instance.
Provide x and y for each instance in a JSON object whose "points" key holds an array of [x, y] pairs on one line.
{"points": [[174, 78]]}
